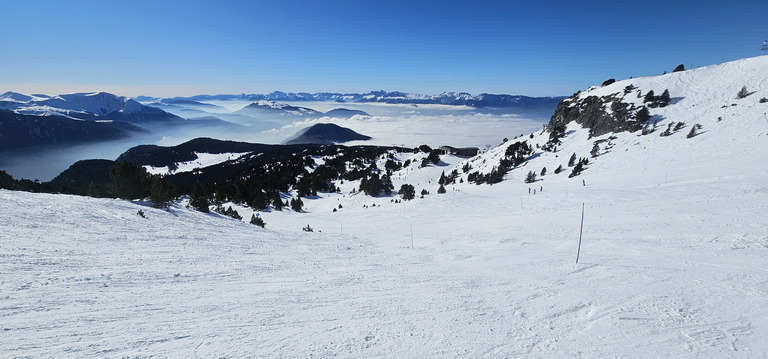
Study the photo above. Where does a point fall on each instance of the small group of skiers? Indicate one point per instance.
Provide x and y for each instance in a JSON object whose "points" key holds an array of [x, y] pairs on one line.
{"points": [[541, 189]]}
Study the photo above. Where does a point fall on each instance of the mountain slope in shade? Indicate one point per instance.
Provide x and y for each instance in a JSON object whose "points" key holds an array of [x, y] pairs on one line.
{"points": [[18, 131], [325, 134]]}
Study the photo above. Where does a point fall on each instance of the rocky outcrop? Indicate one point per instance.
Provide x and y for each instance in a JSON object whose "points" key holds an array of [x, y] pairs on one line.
{"points": [[600, 114]]}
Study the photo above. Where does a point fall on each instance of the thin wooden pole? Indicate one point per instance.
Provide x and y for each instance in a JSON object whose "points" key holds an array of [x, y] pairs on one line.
{"points": [[580, 232]]}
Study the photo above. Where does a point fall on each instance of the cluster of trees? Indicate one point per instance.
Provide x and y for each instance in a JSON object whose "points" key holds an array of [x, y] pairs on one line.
{"points": [[578, 167], [8, 182], [557, 132], [514, 155], [657, 101]]}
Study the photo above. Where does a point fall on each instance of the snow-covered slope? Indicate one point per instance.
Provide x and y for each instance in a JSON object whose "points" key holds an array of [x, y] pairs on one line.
{"points": [[672, 264]]}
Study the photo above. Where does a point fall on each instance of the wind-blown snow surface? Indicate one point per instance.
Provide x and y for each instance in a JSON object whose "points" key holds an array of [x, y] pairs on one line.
{"points": [[666, 270]]}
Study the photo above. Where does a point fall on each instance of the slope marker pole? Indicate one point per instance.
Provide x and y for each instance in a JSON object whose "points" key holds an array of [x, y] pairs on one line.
{"points": [[580, 232]]}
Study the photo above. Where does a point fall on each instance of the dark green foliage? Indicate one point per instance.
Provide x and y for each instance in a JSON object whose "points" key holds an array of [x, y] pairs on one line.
{"points": [[668, 131], [407, 192], [514, 155], [258, 200], [557, 132], [643, 115], [572, 160], [94, 190], [608, 82], [425, 148], [229, 212], [373, 185], [559, 169], [649, 97], [160, 192], [198, 199], [129, 181], [577, 169], [679, 126], [441, 190], [693, 132], [277, 201], [77, 178], [6, 180], [742, 93], [531, 177], [392, 165], [433, 158], [424, 192], [679, 68], [657, 101], [763, 100], [297, 204], [543, 171], [595, 150], [257, 221], [664, 99], [629, 89]]}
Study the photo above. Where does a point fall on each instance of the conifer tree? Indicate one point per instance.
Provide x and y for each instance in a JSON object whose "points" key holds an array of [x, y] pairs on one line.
{"points": [[198, 199], [649, 97], [297, 204], [643, 115], [664, 99], [407, 192], [160, 192], [572, 161], [531, 177], [441, 190], [129, 181], [257, 221], [93, 190]]}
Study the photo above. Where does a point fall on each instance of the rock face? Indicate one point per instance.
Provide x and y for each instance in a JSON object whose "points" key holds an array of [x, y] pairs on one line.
{"points": [[326, 134], [600, 114]]}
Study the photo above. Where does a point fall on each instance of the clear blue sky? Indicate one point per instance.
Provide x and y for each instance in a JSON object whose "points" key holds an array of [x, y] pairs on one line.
{"points": [[539, 48]]}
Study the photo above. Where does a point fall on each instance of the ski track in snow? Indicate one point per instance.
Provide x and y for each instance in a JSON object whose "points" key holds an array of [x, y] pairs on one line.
{"points": [[674, 259]]}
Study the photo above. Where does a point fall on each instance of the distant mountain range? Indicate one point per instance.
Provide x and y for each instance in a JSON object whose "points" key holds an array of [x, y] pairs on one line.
{"points": [[40, 120], [396, 97], [99, 106]]}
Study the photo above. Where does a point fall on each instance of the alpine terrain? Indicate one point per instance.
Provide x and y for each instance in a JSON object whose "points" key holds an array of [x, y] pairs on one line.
{"points": [[657, 185]]}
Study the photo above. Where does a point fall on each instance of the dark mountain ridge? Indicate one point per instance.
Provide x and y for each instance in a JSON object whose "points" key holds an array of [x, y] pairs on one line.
{"points": [[326, 134]]}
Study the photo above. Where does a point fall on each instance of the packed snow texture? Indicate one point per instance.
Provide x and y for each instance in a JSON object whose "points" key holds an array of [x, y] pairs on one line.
{"points": [[673, 263]]}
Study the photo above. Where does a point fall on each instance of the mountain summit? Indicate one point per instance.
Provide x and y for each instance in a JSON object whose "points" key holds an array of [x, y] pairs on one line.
{"points": [[325, 134]]}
